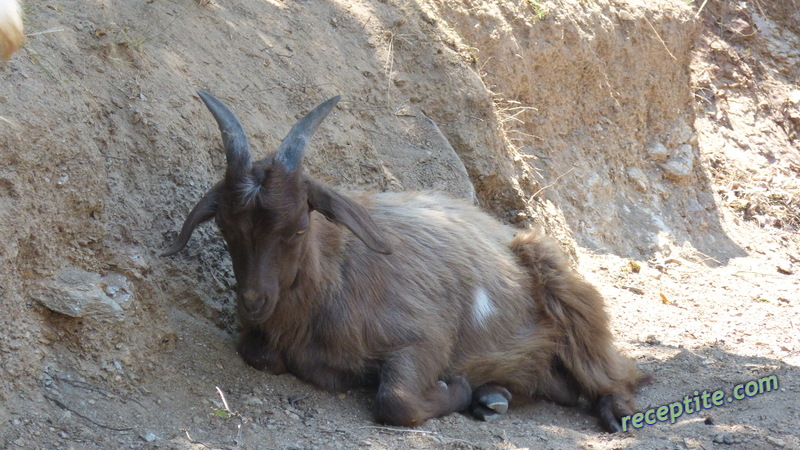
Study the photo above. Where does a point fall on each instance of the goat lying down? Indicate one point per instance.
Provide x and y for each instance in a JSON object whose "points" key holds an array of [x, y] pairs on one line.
{"points": [[437, 304]]}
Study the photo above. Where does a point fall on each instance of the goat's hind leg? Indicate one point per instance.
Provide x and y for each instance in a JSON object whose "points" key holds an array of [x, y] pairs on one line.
{"points": [[561, 388], [611, 408], [575, 309]]}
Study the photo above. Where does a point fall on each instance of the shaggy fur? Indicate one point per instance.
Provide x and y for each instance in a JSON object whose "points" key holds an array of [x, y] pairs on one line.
{"points": [[423, 296], [10, 27]]}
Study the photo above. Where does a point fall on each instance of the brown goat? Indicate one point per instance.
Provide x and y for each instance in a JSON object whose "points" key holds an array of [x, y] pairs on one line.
{"points": [[425, 297], [10, 27]]}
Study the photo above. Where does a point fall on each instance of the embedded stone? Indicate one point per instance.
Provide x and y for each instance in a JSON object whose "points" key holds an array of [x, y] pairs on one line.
{"points": [[681, 164], [658, 152], [78, 293]]}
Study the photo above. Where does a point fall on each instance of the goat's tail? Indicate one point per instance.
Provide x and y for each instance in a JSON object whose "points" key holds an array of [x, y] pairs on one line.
{"points": [[10, 27], [575, 309]]}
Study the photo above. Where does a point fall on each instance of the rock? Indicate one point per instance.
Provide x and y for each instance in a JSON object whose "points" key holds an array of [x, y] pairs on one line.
{"points": [[638, 178], [776, 442], [686, 135], [677, 169], [138, 261], [652, 340], [784, 267], [794, 97], [148, 437], [626, 16], [681, 164], [740, 28], [658, 152], [724, 438], [423, 159], [253, 401], [78, 293], [400, 80]]}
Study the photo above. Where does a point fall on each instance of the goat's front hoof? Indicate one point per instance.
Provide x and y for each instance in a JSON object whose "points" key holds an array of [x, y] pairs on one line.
{"points": [[252, 349], [490, 402], [496, 402], [486, 415]]}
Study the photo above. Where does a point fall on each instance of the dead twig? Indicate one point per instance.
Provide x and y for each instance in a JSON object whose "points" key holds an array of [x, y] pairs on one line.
{"points": [[9, 121], [62, 405], [535, 194], [659, 38], [635, 290], [192, 440], [699, 10], [39, 33], [224, 402], [90, 387], [296, 398]]}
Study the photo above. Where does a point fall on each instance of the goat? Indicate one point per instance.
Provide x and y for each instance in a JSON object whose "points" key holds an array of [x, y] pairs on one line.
{"points": [[433, 301], [10, 27]]}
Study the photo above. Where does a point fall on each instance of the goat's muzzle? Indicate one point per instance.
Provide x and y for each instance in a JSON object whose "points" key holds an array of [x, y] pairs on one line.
{"points": [[254, 306]]}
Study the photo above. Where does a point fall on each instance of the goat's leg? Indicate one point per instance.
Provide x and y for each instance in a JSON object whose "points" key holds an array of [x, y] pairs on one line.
{"points": [[588, 356], [255, 352], [407, 397], [610, 408], [562, 388], [575, 309], [490, 402]]}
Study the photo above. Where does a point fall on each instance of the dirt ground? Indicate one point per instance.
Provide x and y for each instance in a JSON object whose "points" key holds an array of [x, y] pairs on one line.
{"points": [[658, 141]]}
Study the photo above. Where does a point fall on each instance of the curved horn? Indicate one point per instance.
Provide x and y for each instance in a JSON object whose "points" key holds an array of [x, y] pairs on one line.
{"points": [[290, 153], [237, 150]]}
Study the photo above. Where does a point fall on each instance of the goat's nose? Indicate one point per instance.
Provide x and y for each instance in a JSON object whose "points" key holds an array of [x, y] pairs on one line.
{"points": [[252, 301]]}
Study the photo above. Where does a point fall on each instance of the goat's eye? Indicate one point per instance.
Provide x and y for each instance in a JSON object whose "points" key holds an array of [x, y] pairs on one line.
{"points": [[301, 232]]}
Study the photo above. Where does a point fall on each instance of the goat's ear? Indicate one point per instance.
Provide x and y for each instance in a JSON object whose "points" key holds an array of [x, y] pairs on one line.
{"points": [[204, 210], [340, 209]]}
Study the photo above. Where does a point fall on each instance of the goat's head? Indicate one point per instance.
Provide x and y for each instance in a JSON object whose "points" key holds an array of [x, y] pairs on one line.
{"points": [[263, 209]]}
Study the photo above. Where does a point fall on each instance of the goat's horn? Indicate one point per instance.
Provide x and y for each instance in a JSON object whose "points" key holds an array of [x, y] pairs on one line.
{"points": [[237, 150], [290, 153]]}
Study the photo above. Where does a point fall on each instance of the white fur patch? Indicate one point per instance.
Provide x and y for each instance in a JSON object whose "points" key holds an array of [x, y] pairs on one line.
{"points": [[10, 27], [482, 306]]}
